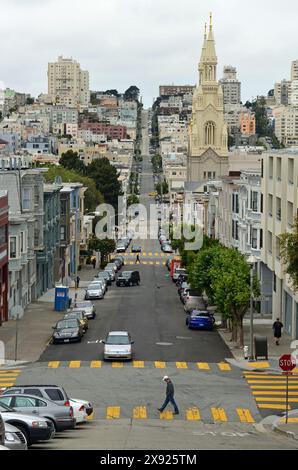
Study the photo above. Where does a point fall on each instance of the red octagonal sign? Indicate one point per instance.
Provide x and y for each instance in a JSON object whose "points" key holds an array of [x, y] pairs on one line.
{"points": [[287, 362]]}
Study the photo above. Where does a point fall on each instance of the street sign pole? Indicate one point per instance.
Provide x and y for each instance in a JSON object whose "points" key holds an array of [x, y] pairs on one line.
{"points": [[287, 399]]}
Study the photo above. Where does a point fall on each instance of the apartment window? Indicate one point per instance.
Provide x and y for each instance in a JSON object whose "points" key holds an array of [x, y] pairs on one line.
{"points": [[235, 230], [254, 201], [274, 282], [205, 175], [235, 203], [3, 235], [62, 232], [23, 242], [261, 238], [278, 169], [278, 208], [270, 242], [262, 203], [12, 247], [291, 170], [254, 238], [270, 167], [26, 199], [270, 204]]}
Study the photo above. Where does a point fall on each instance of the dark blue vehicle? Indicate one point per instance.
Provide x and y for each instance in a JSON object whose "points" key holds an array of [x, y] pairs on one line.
{"points": [[200, 319]]}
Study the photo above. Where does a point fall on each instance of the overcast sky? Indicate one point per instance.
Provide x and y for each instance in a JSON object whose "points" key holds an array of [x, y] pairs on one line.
{"points": [[146, 42]]}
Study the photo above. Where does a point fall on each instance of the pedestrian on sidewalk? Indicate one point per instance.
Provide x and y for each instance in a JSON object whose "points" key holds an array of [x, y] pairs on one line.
{"points": [[277, 327], [94, 262], [78, 281], [169, 396], [138, 259]]}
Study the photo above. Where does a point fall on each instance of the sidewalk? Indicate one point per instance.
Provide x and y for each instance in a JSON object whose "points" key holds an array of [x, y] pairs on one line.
{"points": [[262, 327], [35, 328]]}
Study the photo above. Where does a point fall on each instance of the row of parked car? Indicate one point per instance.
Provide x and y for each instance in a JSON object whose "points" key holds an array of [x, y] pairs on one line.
{"points": [[165, 244], [33, 413], [195, 306], [124, 242]]}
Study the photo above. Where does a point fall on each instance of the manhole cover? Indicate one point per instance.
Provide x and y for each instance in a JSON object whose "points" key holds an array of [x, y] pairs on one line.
{"points": [[164, 344]]}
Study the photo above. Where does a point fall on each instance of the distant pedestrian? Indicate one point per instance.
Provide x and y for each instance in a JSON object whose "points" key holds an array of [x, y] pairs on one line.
{"points": [[277, 327], [94, 262], [169, 396], [138, 258], [78, 281]]}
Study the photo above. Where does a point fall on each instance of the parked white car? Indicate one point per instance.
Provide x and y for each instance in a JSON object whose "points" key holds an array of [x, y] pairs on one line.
{"points": [[79, 409]]}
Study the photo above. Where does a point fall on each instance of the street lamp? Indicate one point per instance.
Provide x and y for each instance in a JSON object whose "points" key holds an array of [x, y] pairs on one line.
{"points": [[251, 260]]}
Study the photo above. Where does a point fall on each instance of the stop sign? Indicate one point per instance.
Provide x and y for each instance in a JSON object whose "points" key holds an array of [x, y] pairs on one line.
{"points": [[287, 362]]}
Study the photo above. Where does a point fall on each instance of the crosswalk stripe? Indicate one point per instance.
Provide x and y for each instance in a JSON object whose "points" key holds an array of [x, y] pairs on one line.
{"points": [[6, 384], [224, 366], [156, 254], [95, 364], [193, 414], [113, 412], [74, 364], [273, 392], [181, 365], [10, 375], [117, 365], [54, 364], [279, 399], [150, 254], [144, 262], [219, 414], [278, 377], [163, 263], [151, 262], [167, 415], [144, 253], [140, 412], [160, 364], [274, 387], [245, 415], [272, 406], [290, 420], [157, 262], [203, 365], [259, 365], [138, 364], [270, 382], [10, 371]]}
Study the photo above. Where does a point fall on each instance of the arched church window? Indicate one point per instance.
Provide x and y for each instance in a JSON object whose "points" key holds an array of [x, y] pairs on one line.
{"points": [[209, 133]]}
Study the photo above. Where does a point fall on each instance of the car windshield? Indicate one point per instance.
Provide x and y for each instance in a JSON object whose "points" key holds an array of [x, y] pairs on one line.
{"points": [[82, 304], [103, 274], [126, 273], [67, 324], [95, 286], [5, 408], [180, 271], [73, 315], [117, 339], [200, 314]]}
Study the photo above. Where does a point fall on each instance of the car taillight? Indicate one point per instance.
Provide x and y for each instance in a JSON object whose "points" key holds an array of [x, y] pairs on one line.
{"points": [[71, 411], [66, 403], [82, 408]]}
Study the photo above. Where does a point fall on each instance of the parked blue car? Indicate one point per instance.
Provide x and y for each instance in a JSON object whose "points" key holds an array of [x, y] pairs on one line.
{"points": [[198, 319]]}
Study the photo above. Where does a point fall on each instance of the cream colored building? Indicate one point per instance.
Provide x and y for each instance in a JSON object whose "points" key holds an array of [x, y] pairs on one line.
{"points": [[68, 85], [286, 124], [280, 205], [208, 135]]}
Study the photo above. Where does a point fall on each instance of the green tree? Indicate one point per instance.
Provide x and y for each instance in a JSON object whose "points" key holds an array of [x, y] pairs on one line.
{"points": [[289, 253], [162, 188], [105, 177], [112, 92], [93, 197], [106, 246], [132, 199], [71, 161], [132, 93]]}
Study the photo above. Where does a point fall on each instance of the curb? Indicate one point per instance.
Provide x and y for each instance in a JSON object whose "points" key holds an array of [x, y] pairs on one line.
{"points": [[283, 432]]}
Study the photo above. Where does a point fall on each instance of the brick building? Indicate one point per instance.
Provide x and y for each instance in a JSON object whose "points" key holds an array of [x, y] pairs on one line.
{"points": [[111, 131]]}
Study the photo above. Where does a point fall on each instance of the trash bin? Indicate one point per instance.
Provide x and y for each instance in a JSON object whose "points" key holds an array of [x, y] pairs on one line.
{"points": [[261, 347], [61, 298]]}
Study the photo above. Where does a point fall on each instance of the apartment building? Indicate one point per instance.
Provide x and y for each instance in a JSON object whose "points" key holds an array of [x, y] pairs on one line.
{"points": [[3, 255], [286, 125], [247, 123], [282, 92], [280, 205], [168, 90], [231, 86]]}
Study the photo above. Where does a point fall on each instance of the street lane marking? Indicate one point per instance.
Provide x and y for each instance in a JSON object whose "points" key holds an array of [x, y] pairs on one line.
{"points": [[278, 377], [113, 412], [157, 262], [95, 364], [193, 414], [272, 406], [160, 364], [150, 254], [54, 364], [138, 364], [203, 365], [224, 366], [151, 262], [290, 420], [259, 365], [9, 371], [117, 365], [280, 399], [156, 254], [144, 262], [245, 415], [7, 384], [274, 387], [144, 253], [270, 381], [74, 364], [167, 415], [268, 392], [10, 375], [181, 365], [219, 414], [140, 412]]}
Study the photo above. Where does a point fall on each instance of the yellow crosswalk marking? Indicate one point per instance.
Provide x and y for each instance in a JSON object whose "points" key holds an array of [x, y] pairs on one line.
{"points": [[138, 364], [274, 387], [219, 414], [159, 364], [151, 262], [164, 263], [272, 406], [156, 254], [270, 381], [6, 384], [203, 365], [166, 415], [290, 420], [131, 262], [144, 253], [144, 262], [74, 364], [278, 377], [193, 414], [150, 254], [224, 366], [54, 364], [259, 365], [272, 392], [157, 262], [140, 412], [95, 364], [10, 371], [9, 375], [113, 412], [117, 365], [280, 399], [181, 365], [245, 415]]}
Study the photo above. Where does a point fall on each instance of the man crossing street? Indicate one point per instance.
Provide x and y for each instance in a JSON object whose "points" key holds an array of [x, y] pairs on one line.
{"points": [[169, 396]]}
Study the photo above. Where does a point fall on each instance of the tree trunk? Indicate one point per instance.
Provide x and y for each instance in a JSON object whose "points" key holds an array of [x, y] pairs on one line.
{"points": [[234, 331], [241, 333]]}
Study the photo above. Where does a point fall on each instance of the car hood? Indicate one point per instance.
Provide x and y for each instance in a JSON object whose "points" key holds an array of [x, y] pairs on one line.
{"points": [[66, 331], [7, 416], [94, 290], [114, 348]]}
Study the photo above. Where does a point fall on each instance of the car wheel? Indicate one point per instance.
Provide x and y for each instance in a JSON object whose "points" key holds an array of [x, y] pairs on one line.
{"points": [[24, 430]]}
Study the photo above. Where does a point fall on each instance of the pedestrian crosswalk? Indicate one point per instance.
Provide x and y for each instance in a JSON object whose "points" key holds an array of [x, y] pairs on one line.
{"points": [[8, 377], [152, 263], [97, 364], [149, 254], [269, 390], [194, 413]]}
